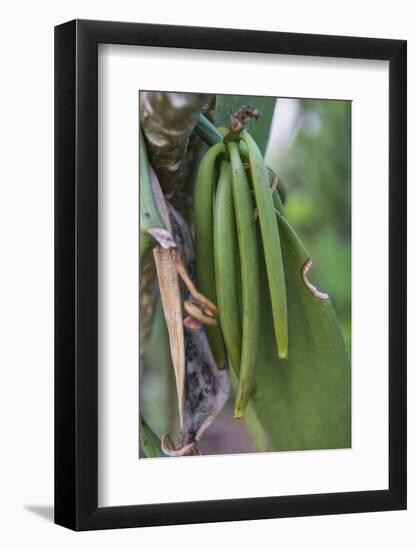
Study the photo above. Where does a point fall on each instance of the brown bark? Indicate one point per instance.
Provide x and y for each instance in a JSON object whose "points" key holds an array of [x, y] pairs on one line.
{"points": [[167, 120]]}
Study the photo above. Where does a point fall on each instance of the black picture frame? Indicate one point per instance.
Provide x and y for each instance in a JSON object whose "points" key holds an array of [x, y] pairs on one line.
{"points": [[76, 271]]}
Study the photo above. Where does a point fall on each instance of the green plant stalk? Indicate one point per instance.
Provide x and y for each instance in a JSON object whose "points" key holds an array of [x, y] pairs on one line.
{"points": [[226, 260], [249, 261], [207, 131], [148, 440], [150, 219], [271, 244], [211, 135], [146, 245], [204, 247]]}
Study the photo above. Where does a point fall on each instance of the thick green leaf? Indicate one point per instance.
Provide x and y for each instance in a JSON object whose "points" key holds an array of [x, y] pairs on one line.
{"points": [[157, 393], [149, 441], [255, 429], [259, 129], [305, 400]]}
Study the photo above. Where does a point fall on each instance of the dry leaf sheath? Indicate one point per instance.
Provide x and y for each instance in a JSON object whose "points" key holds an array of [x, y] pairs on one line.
{"points": [[202, 388]]}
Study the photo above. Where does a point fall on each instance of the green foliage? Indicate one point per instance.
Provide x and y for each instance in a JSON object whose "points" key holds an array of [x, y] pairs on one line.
{"points": [[304, 401], [149, 441], [315, 165], [157, 382]]}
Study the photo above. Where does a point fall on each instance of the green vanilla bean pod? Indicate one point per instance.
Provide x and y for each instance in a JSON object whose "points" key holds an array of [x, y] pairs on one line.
{"points": [[243, 150], [204, 248], [271, 244], [207, 131], [227, 266], [249, 262], [297, 249], [278, 202], [152, 228]]}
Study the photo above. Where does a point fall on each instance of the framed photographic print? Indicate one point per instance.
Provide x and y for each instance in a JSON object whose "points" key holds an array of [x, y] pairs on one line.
{"points": [[230, 252]]}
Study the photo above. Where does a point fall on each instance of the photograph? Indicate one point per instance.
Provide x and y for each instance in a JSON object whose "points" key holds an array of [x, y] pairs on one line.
{"points": [[207, 292], [244, 274]]}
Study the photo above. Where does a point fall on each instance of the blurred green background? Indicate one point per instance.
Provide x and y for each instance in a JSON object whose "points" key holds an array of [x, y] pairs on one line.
{"points": [[310, 149]]}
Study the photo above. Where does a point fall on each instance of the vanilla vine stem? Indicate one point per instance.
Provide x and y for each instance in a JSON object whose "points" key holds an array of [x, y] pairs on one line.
{"points": [[167, 121]]}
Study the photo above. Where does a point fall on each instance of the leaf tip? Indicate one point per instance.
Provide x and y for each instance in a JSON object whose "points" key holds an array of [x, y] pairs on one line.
{"points": [[238, 414], [283, 354]]}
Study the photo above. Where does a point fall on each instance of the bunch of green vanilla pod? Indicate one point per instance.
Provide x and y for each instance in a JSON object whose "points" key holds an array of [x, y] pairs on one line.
{"points": [[236, 220]]}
